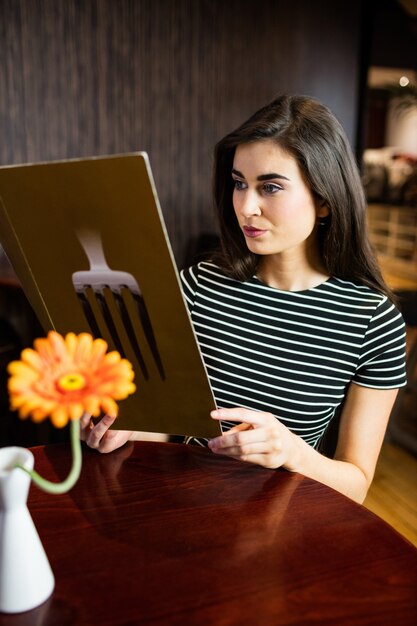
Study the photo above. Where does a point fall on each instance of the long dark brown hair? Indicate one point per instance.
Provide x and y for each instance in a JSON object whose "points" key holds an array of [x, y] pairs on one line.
{"points": [[307, 130]]}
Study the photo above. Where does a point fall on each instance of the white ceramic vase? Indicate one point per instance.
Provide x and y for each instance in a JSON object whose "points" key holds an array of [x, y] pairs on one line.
{"points": [[26, 578]]}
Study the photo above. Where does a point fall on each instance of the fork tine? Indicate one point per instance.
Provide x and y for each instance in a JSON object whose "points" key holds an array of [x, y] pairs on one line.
{"points": [[124, 313], [147, 327], [89, 313], [109, 321]]}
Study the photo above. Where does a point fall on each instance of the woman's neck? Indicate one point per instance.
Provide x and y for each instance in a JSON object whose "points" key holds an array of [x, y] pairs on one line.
{"points": [[291, 274]]}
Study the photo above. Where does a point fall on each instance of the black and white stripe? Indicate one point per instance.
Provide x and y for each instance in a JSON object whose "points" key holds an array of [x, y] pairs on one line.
{"points": [[293, 353]]}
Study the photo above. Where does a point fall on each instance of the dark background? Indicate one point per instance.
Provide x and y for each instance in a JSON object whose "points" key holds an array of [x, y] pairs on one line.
{"points": [[93, 77]]}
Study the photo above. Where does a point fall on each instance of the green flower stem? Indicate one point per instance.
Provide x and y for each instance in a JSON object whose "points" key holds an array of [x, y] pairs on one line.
{"points": [[75, 471]]}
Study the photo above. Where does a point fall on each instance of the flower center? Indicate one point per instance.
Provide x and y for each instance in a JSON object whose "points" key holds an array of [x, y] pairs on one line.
{"points": [[74, 381]]}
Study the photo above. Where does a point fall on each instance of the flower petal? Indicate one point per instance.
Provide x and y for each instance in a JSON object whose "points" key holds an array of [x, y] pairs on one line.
{"points": [[16, 384], [39, 415], [110, 407], [98, 351], [58, 346], [112, 358], [29, 406], [83, 350], [24, 371], [122, 390], [71, 343], [92, 406], [32, 358], [59, 417], [75, 411]]}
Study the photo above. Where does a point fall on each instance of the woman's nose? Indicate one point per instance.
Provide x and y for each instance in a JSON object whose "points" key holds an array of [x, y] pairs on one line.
{"points": [[249, 205]]}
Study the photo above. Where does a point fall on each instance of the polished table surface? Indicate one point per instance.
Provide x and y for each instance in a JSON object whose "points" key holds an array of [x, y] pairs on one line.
{"points": [[167, 534]]}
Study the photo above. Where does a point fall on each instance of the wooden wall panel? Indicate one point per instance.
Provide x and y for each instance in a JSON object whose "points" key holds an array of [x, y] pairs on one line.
{"points": [[91, 77]]}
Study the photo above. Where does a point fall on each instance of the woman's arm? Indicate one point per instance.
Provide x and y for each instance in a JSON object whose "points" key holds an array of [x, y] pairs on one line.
{"points": [[264, 440]]}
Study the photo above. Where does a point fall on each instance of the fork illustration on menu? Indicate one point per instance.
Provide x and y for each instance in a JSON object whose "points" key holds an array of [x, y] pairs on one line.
{"points": [[106, 285]]}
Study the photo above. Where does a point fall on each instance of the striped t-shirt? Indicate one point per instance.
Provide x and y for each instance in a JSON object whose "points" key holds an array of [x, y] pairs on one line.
{"points": [[293, 353]]}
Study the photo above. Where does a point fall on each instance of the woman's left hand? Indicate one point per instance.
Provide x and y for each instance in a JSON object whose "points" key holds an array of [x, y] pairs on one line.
{"points": [[259, 438]]}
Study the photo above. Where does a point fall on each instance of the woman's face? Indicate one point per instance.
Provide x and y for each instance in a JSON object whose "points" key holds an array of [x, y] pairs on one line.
{"points": [[274, 206]]}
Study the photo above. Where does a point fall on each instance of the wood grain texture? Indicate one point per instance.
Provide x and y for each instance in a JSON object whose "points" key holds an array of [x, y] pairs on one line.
{"points": [[393, 493], [167, 534], [90, 77]]}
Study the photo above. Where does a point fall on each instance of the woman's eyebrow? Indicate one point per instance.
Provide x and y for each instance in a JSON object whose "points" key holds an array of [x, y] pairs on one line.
{"points": [[262, 176]]}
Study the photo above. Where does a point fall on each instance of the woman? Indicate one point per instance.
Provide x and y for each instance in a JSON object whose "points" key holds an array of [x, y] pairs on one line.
{"points": [[294, 320]]}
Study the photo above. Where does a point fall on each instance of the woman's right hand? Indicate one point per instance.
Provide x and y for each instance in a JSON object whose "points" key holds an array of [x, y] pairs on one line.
{"points": [[99, 437]]}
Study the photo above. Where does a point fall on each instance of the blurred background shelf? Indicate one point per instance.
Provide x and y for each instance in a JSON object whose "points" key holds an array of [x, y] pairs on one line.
{"points": [[393, 231]]}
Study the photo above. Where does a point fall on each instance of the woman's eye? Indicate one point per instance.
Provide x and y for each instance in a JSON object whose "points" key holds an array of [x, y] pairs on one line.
{"points": [[239, 184], [271, 188]]}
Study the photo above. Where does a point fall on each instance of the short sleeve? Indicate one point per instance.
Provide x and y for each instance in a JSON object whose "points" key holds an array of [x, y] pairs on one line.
{"points": [[189, 283], [382, 359]]}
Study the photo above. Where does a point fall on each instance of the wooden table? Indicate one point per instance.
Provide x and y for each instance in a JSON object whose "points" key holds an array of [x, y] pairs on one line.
{"points": [[167, 534]]}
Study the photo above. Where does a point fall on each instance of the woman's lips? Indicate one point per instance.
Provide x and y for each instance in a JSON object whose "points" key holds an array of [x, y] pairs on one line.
{"points": [[251, 231]]}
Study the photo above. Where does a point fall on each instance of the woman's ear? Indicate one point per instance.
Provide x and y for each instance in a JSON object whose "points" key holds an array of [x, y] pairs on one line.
{"points": [[323, 210]]}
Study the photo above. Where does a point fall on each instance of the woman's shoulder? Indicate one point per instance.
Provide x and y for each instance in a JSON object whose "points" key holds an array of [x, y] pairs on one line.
{"points": [[199, 278], [355, 291], [378, 306], [203, 270]]}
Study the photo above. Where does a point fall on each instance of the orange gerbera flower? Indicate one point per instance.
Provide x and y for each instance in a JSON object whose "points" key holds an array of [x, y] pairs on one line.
{"points": [[64, 377]]}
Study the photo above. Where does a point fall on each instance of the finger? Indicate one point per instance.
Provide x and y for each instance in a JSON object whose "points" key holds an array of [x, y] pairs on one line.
{"points": [[254, 418], [243, 450], [115, 439], [86, 425], [85, 420], [241, 438], [239, 428], [99, 430], [264, 460], [268, 461]]}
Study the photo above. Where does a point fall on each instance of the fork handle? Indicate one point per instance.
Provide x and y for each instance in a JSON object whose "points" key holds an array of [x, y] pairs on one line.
{"points": [[92, 245]]}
